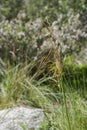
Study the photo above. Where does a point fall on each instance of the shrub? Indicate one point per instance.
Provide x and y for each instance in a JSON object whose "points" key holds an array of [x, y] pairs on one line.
{"points": [[10, 8]]}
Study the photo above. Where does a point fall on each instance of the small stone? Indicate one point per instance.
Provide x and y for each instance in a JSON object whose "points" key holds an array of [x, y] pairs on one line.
{"points": [[18, 118]]}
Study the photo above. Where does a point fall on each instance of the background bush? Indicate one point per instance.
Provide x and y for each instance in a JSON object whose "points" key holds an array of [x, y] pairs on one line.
{"points": [[10, 8]]}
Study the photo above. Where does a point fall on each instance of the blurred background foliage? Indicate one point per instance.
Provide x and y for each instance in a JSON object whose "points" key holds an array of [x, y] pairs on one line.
{"points": [[40, 8], [10, 8], [24, 23]]}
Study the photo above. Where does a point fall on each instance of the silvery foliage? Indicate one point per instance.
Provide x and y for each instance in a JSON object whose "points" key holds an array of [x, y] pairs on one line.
{"points": [[69, 35], [67, 32]]}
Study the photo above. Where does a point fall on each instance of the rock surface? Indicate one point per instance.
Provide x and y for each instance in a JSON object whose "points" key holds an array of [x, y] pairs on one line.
{"points": [[21, 118]]}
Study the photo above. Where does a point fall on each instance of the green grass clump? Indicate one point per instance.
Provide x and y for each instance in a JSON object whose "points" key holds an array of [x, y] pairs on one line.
{"points": [[65, 108]]}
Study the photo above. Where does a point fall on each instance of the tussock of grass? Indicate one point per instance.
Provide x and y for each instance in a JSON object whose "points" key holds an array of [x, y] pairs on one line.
{"points": [[64, 108]]}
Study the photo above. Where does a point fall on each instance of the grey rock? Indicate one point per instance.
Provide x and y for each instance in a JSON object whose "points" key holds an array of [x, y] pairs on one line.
{"points": [[21, 117]]}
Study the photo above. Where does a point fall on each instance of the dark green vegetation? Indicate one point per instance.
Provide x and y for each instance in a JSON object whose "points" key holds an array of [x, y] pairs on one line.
{"points": [[37, 59]]}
